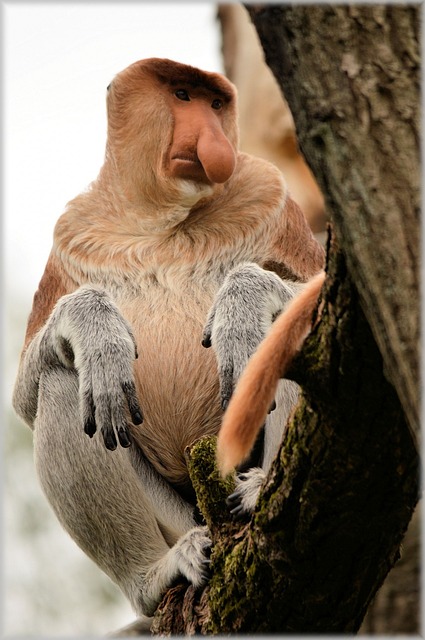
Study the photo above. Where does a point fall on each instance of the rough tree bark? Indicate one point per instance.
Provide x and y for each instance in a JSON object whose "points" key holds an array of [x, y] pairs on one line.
{"points": [[330, 520], [351, 77]]}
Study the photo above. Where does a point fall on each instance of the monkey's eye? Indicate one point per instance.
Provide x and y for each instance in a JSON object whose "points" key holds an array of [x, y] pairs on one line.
{"points": [[217, 103], [182, 94]]}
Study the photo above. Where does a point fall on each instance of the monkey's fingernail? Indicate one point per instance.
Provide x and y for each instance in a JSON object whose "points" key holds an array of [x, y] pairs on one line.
{"points": [[206, 342], [109, 439], [225, 403], [233, 499], [90, 427], [123, 437], [137, 418], [133, 404], [237, 512]]}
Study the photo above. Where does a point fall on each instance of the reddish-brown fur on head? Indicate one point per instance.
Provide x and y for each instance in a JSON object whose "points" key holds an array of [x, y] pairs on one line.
{"points": [[155, 138], [175, 74]]}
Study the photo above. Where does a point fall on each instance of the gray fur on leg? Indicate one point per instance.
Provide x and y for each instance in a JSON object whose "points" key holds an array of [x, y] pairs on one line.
{"points": [[100, 499]]}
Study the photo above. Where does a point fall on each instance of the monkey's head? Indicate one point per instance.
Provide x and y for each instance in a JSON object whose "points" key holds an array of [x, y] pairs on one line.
{"points": [[172, 131]]}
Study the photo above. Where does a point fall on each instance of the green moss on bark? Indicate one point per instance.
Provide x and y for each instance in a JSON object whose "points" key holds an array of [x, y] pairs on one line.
{"points": [[210, 488], [329, 522]]}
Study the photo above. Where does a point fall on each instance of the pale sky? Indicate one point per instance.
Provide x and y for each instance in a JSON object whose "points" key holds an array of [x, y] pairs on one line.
{"points": [[59, 58]]}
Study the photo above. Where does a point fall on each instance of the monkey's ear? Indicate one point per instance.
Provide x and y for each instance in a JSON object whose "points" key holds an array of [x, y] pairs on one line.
{"points": [[109, 86]]}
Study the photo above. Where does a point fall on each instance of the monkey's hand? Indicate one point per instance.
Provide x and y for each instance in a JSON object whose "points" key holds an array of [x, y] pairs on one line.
{"points": [[245, 307], [243, 500], [87, 331]]}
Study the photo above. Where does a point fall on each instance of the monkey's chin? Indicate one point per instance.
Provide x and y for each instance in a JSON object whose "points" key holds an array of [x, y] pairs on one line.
{"points": [[192, 192]]}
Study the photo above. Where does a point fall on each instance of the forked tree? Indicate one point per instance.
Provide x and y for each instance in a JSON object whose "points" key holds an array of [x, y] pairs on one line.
{"points": [[329, 523]]}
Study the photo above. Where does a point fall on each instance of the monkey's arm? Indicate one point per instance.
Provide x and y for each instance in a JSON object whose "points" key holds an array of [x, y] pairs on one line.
{"points": [[53, 285], [256, 388], [84, 331], [245, 307]]}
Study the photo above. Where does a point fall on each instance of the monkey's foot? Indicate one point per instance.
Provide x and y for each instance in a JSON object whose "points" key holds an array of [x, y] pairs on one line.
{"points": [[193, 555], [189, 558], [243, 500]]}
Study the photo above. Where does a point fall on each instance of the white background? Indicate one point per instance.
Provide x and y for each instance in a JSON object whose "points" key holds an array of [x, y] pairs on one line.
{"points": [[59, 59]]}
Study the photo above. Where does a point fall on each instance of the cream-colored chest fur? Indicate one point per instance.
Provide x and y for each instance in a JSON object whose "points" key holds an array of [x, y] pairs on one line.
{"points": [[176, 377]]}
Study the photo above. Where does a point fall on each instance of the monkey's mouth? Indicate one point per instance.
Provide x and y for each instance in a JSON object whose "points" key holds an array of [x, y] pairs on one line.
{"points": [[185, 157], [188, 167]]}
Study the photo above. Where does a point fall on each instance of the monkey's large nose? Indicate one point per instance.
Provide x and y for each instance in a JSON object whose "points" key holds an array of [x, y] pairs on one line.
{"points": [[216, 154]]}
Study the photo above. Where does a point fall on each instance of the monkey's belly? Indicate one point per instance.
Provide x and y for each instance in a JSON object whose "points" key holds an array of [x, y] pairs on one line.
{"points": [[179, 394]]}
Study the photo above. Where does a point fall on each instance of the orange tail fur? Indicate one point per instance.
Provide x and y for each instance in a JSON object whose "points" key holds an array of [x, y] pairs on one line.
{"points": [[256, 389]]}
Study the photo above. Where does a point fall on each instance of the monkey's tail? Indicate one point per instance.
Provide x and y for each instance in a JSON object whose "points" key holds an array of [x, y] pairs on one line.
{"points": [[256, 388]]}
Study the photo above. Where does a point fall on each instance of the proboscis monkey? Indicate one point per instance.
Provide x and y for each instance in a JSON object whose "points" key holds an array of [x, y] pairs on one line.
{"points": [[179, 232]]}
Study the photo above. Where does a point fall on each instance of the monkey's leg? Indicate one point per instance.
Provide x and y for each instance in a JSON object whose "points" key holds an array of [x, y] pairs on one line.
{"points": [[248, 484], [243, 312], [99, 499], [286, 399]]}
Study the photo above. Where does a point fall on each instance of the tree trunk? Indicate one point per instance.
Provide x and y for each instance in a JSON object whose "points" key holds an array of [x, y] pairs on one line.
{"points": [[396, 609], [351, 77], [330, 520]]}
